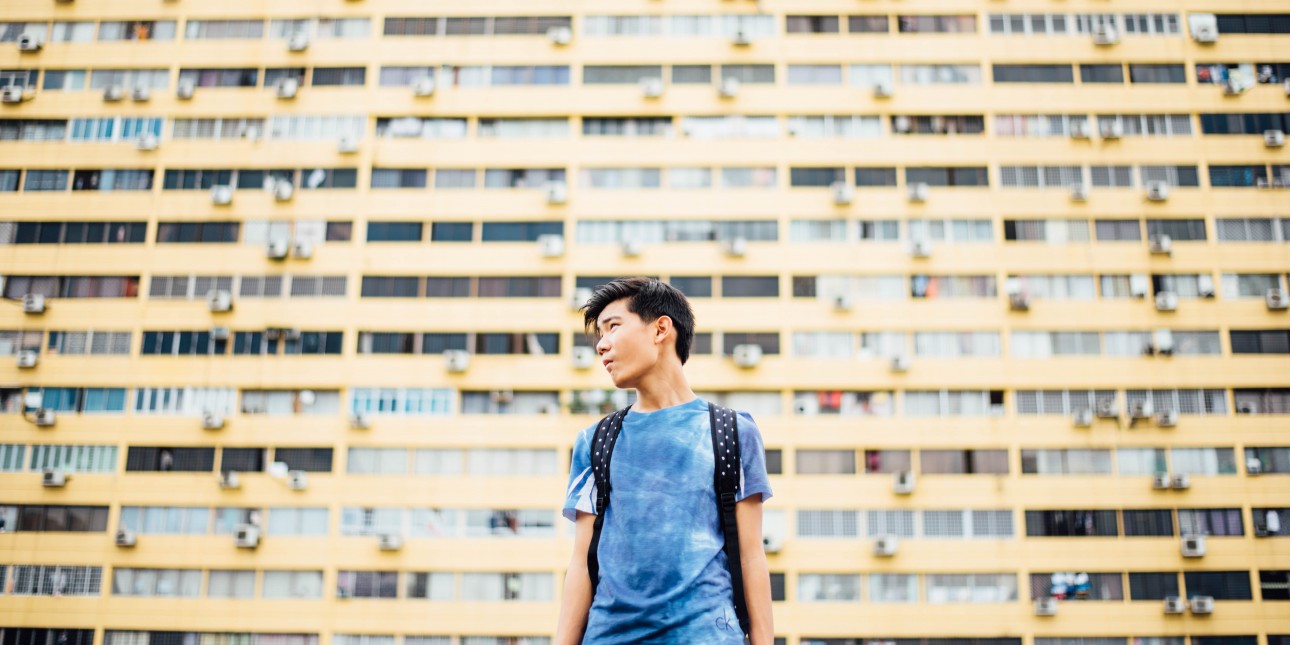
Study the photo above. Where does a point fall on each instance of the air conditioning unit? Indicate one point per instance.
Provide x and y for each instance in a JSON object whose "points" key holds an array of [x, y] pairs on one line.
{"points": [[390, 541], [583, 357], [1193, 546], [729, 88], [843, 302], [423, 86], [899, 364], [1019, 301], [885, 546], [229, 480], [652, 87], [1204, 27], [141, 94], [1107, 409], [1164, 341], [287, 88], [581, 295], [33, 303], [1202, 605], [772, 541], [1253, 466], [51, 478], [1167, 419], [902, 124], [283, 191], [298, 41], [1274, 138], [1160, 244], [186, 89], [1111, 129], [883, 90], [1079, 193], [1161, 481], [1082, 418], [347, 144], [12, 94], [1106, 34], [45, 418], [221, 195], [903, 482], [920, 248], [1180, 481], [302, 250], [1175, 605], [1277, 299], [246, 536], [1139, 285], [297, 480], [276, 250], [551, 246], [557, 192], [1247, 407], [212, 420], [1166, 301], [147, 142], [360, 421], [456, 360], [806, 405], [1046, 607], [741, 38], [28, 358], [1157, 191], [292, 334], [918, 192], [1079, 129], [113, 93], [126, 538], [559, 35], [1141, 409], [736, 247], [632, 248], [843, 194], [219, 301], [747, 356], [30, 43]]}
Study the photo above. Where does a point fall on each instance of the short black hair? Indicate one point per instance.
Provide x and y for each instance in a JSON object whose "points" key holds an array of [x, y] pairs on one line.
{"points": [[649, 299]]}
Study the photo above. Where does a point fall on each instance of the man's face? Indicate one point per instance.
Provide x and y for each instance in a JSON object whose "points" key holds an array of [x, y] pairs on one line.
{"points": [[626, 343]]}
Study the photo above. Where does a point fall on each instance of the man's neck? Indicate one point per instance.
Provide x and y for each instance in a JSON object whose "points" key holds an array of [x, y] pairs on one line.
{"points": [[664, 389]]}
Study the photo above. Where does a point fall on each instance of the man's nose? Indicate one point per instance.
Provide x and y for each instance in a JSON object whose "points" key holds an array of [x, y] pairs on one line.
{"points": [[602, 346]]}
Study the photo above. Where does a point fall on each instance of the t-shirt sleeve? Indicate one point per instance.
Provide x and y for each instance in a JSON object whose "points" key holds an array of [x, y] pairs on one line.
{"points": [[582, 484], [752, 458]]}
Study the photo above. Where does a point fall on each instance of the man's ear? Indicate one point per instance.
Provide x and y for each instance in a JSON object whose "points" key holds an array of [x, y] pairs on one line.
{"points": [[662, 327]]}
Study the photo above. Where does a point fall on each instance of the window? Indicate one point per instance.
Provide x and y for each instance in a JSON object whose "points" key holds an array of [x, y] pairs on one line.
{"points": [[963, 462], [1071, 523], [1210, 521], [1238, 176], [871, 24], [51, 518], [826, 462], [1221, 585], [1149, 523], [1166, 73], [1269, 341], [1033, 74], [55, 580], [159, 583], [819, 587], [317, 460], [525, 128], [297, 585], [750, 286], [394, 231], [1101, 73], [948, 177], [1069, 585], [1066, 462], [141, 459], [1153, 586], [945, 588], [936, 24], [812, 24], [827, 524]]}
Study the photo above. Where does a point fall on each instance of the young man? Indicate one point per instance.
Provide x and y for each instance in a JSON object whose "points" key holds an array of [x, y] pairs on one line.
{"points": [[663, 570]]}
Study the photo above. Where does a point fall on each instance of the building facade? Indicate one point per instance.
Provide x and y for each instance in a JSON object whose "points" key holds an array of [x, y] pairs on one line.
{"points": [[293, 355]]}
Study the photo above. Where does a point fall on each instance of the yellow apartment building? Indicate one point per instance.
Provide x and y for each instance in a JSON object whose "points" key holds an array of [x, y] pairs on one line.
{"points": [[291, 354]]}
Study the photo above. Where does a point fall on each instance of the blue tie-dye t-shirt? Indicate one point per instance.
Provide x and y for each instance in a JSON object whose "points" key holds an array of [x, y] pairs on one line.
{"points": [[663, 575]]}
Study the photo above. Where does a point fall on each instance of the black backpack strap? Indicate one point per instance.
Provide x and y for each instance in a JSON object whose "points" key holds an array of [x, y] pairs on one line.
{"points": [[602, 449], [727, 469]]}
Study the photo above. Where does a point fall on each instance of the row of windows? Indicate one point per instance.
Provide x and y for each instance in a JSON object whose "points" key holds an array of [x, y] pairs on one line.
{"points": [[442, 586], [953, 231], [333, 127], [868, 75], [1125, 462], [837, 345], [629, 25], [188, 401], [689, 178]]}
